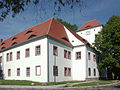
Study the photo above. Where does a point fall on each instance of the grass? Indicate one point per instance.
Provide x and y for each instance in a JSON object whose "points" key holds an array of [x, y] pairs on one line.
{"points": [[19, 82], [25, 82], [64, 82], [102, 82]]}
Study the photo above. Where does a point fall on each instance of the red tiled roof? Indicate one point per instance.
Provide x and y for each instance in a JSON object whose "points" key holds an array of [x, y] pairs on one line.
{"points": [[50, 27], [89, 24]]}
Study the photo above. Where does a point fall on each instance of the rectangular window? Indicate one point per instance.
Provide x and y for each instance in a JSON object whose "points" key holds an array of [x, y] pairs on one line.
{"points": [[9, 72], [78, 55], [37, 50], [7, 57], [27, 53], [67, 71], [38, 70], [69, 55], [10, 56], [55, 70], [89, 56], [0, 59], [18, 54], [55, 51], [65, 53], [94, 57], [28, 71], [18, 71]]}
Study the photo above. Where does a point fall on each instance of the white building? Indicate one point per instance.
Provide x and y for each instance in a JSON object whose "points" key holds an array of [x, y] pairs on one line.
{"points": [[89, 30], [48, 52]]}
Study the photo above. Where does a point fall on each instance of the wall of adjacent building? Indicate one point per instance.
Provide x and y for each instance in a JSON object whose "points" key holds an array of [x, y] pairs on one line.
{"points": [[89, 34]]}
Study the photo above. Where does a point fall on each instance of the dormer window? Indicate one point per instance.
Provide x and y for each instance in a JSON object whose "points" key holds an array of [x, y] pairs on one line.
{"points": [[32, 36], [3, 43], [64, 38], [28, 32], [3, 48], [14, 43], [88, 26], [14, 38]]}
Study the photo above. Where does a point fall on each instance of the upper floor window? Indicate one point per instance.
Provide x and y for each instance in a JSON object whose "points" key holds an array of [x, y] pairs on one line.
{"points": [[94, 57], [0, 59], [55, 70], [78, 55], [55, 50], [28, 71], [10, 56], [18, 54], [37, 50], [7, 57], [89, 56], [69, 55], [65, 53], [18, 71], [27, 52]]}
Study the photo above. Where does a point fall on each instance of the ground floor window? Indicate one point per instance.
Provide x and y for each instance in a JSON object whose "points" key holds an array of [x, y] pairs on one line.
{"points": [[67, 71], [38, 70], [28, 71], [89, 71], [94, 72], [9, 72], [18, 71], [55, 70]]}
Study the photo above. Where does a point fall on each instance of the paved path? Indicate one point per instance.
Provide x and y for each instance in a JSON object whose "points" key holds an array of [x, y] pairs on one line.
{"points": [[115, 86]]}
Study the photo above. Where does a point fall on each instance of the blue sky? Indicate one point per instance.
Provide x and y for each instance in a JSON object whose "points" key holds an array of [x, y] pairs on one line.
{"points": [[100, 10]]}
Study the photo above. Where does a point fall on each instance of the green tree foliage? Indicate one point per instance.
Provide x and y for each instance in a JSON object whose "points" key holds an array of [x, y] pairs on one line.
{"points": [[72, 27], [108, 42], [16, 6]]}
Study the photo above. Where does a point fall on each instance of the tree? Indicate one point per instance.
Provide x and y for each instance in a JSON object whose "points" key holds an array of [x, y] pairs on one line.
{"points": [[108, 42], [16, 6], [72, 27]]}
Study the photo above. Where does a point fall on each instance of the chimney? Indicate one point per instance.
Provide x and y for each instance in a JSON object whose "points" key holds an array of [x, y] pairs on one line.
{"points": [[1, 40]]}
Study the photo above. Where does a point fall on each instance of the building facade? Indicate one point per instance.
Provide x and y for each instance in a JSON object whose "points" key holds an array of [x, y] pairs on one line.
{"points": [[48, 52]]}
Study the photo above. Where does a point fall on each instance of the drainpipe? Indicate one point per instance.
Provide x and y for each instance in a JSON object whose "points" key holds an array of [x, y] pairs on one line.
{"points": [[48, 58], [86, 63]]}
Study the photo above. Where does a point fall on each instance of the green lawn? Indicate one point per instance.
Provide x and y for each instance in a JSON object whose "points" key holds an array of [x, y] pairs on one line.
{"points": [[18, 82], [102, 82]]}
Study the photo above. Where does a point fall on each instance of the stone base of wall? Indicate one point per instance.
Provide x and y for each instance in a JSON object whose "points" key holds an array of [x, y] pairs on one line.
{"points": [[92, 79]]}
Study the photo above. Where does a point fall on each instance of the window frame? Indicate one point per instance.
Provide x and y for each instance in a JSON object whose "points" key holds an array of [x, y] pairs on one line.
{"points": [[26, 52], [65, 56], [9, 72], [0, 59], [18, 53], [7, 57], [94, 70], [36, 70], [36, 54], [18, 71], [70, 55], [27, 72], [55, 70], [77, 54], [55, 54], [89, 71], [67, 72], [94, 57], [89, 56], [10, 56]]}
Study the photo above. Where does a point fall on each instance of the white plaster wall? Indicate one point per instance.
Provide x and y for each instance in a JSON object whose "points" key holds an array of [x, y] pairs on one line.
{"points": [[61, 62], [92, 64], [31, 62], [90, 37], [79, 65], [73, 40]]}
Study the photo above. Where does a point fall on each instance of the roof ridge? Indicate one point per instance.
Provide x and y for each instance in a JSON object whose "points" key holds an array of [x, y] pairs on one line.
{"points": [[50, 25]]}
